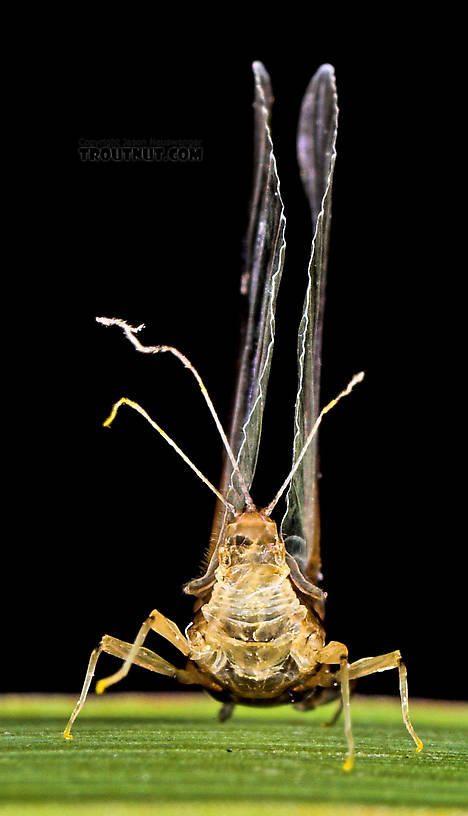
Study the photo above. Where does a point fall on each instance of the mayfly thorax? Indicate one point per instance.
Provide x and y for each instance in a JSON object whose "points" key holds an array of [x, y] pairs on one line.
{"points": [[257, 635]]}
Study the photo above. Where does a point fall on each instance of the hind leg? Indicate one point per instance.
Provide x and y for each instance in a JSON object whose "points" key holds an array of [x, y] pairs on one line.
{"points": [[225, 712], [317, 697], [323, 696]]}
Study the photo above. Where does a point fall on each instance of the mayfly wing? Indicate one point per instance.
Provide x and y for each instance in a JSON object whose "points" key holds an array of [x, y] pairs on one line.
{"points": [[265, 248], [316, 155]]}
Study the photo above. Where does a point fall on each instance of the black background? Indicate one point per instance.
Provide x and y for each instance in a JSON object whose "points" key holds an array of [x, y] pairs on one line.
{"points": [[109, 524]]}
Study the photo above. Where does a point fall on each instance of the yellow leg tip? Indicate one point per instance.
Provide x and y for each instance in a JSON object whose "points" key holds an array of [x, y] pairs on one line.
{"points": [[100, 687], [67, 735], [348, 764], [419, 747]]}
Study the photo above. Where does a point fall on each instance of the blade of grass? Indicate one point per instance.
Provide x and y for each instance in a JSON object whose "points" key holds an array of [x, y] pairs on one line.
{"points": [[134, 753]]}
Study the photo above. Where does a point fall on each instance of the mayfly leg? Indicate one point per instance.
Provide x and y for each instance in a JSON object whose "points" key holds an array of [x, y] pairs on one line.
{"points": [[133, 653], [131, 332], [84, 691], [403, 676], [225, 712], [392, 660], [336, 652], [344, 683], [160, 624], [118, 648], [334, 719]]}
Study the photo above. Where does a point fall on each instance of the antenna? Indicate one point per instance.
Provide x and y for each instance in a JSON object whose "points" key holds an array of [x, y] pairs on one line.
{"points": [[356, 379], [130, 333], [140, 410]]}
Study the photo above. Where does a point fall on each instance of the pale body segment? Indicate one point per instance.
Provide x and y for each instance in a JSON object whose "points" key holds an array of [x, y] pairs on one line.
{"points": [[253, 634], [257, 635]]}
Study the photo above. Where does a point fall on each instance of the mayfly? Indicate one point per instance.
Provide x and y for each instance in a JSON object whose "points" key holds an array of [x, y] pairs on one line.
{"points": [[257, 636]]}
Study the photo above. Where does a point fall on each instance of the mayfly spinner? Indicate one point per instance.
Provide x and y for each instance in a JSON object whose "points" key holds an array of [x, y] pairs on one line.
{"points": [[257, 637]]}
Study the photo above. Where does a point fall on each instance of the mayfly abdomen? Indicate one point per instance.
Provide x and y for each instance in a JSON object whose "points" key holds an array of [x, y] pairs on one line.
{"points": [[254, 630]]}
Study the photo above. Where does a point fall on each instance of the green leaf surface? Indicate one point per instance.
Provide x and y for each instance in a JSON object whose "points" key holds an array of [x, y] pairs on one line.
{"points": [[167, 754]]}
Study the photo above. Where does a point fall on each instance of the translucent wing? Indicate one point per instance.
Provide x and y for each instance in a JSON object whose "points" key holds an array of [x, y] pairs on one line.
{"points": [[260, 282], [316, 155]]}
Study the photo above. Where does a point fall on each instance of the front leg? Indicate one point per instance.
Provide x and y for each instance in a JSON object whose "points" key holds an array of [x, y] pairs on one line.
{"points": [[392, 660], [143, 657], [160, 624], [336, 652]]}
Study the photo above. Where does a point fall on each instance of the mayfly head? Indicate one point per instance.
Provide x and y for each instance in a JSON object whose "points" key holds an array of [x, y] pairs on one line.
{"points": [[252, 538]]}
